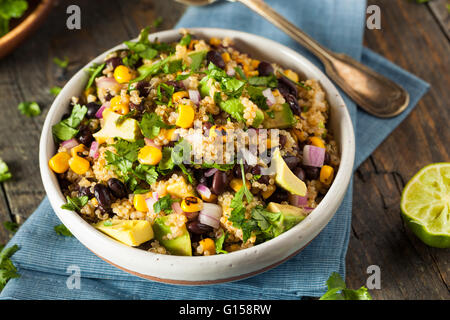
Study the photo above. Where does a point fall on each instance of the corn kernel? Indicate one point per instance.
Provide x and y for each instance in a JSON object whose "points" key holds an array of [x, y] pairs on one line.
{"points": [[149, 155], [270, 190], [215, 130], [79, 165], [79, 149], [276, 93], [253, 73], [139, 203], [215, 41], [255, 63], [192, 44], [236, 184], [94, 202], [326, 175], [191, 204], [122, 74], [168, 134], [226, 57], [179, 95], [291, 75], [120, 105], [211, 199], [316, 141], [300, 134], [59, 163], [208, 246], [185, 116]]}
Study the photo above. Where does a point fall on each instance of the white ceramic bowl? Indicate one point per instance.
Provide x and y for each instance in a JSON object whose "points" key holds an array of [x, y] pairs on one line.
{"points": [[217, 268]]}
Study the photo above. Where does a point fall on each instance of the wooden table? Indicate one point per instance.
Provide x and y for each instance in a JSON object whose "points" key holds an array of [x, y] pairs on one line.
{"points": [[416, 37]]}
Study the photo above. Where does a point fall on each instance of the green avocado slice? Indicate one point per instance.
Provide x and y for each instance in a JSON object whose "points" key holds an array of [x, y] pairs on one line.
{"points": [[282, 119], [180, 246]]}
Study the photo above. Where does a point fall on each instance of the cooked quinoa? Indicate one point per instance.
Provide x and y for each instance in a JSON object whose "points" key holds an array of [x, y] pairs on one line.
{"points": [[194, 148]]}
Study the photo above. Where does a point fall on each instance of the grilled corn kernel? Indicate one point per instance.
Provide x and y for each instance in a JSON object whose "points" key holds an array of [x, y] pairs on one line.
{"points": [[236, 184], [215, 131], [211, 199], [326, 175], [79, 165], [270, 190], [215, 41], [185, 116], [317, 142], [226, 57], [191, 204], [120, 105], [59, 163], [149, 155], [300, 134], [79, 149], [122, 74], [179, 95], [291, 75], [139, 203], [208, 245]]}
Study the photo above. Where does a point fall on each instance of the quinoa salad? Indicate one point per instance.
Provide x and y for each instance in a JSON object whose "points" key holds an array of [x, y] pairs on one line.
{"points": [[193, 147]]}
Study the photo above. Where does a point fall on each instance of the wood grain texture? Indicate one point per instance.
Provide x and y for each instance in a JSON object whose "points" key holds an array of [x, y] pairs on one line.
{"points": [[412, 36]]}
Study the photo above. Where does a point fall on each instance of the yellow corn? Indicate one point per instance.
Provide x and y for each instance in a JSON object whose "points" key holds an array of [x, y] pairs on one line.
{"points": [[179, 95], [191, 204], [276, 93], [149, 155], [215, 41], [213, 132], [139, 203], [270, 190], [88, 91], [253, 73], [211, 199], [208, 246], [122, 74], [255, 63], [59, 163], [185, 116], [300, 134], [233, 247], [94, 202], [326, 175], [79, 165], [246, 68], [75, 151], [226, 57], [236, 184], [316, 141], [168, 134], [291, 75], [120, 105], [192, 44]]}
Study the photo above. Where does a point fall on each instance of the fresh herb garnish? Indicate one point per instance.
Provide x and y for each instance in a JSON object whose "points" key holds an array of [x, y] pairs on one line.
{"points": [[107, 223], [128, 150], [267, 81], [7, 269], [151, 125], [182, 76], [11, 226], [94, 71], [164, 204], [10, 9], [75, 203], [61, 63], [185, 40], [337, 290], [62, 230], [55, 90], [219, 243], [257, 97], [4, 171], [29, 109], [157, 22], [146, 172], [67, 128], [221, 167], [141, 48], [124, 117], [164, 96], [240, 73]]}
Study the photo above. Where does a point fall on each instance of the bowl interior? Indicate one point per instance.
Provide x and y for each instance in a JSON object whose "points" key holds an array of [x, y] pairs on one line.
{"points": [[217, 268]]}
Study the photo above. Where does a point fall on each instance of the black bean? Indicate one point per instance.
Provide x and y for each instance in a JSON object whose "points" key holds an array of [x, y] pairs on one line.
{"points": [[265, 68], [327, 159], [282, 139], [138, 107], [198, 228], [206, 126], [92, 109], [292, 162], [103, 196], [143, 87], [312, 173], [256, 170], [85, 137], [178, 85], [264, 180], [117, 188], [237, 170], [279, 196], [286, 86], [216, 58], [108, 97], [114, 62], [85, 191], [300, 173], [219, 183], [293, 104]]}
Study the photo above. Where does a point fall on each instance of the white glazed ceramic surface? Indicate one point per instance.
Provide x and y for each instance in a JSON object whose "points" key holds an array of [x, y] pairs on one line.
{"points": [[223, 267]]}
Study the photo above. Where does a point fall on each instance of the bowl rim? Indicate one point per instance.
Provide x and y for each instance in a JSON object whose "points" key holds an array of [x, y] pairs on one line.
{"points": [[320, 216]]}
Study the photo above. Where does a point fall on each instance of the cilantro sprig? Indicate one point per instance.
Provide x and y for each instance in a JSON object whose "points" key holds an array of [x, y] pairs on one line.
{"points": [[337, 290], [151, 124], [10, 9], [4, 171], [62, 230], [68, 128], [29, 109], [164, 204], [7, 269], [75, 203]]}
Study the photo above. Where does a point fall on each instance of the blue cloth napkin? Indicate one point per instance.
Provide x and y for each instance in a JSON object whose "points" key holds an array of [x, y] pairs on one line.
{"points": [[44, 257]]}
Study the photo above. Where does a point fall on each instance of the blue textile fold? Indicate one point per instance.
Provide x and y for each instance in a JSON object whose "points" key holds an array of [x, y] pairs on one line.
{"points": [[44, 257]]}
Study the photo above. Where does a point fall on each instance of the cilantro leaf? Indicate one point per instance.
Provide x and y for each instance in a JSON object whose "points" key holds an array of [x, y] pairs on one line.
{"points": [[128, 150], [122, 165], [67, 128], [10, 9], [4, 171], [75, 203], [166, 162], [267, 81], [55, 90], [164, 204], [337, 290], [62, 230], [29, 109], [147, 173], [151, 125], [257, 97], [219, 243], [11, 226], [7, 268], [240, 73], [61, 63], [94, 71], [185, 40], [221, 167]]}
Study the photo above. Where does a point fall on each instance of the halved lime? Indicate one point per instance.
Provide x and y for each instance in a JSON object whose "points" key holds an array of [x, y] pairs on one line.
{"points": [[425, 205]]}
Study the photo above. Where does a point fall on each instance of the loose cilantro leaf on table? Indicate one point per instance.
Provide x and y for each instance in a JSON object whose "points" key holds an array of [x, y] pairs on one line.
{"points": [[29, 109], [55, 90], [75, 203], [151, 125], [94, 71], [7, 269], [61, 63], [4, 171], [67, 128], [164, 204], [11, 226], [337, 290], [62, 230]]}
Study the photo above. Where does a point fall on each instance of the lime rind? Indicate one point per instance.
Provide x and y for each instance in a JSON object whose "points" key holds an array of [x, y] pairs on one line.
{"points": [[425, 204]]}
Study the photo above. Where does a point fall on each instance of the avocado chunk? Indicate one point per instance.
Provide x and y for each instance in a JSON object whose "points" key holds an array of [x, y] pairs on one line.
{"points": [[207, 87], [180, 245], [285, 178], [290, 216], [258, 119], [129, 232], [282, 119], [127, 130]]}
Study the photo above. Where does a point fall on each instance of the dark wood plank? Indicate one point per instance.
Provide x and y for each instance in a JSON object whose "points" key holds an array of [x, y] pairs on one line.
{"points": [[441, 13], [413, 39]]}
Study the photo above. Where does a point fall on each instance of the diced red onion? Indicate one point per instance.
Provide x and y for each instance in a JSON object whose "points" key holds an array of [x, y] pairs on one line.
{"points": [[186, 82], [210, 215], [69, 144], [210, 172], [231, 72], [150, 142], [108, 83], [194, 95], [93, 151], [313, 156], [176, 207], [204, 191], [308, 209], [99, 113], [150, 202], [298, 201], [269, 95], [155, 196]]}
